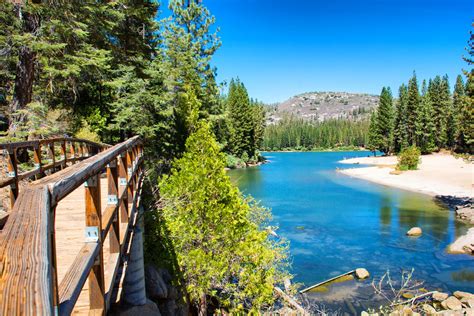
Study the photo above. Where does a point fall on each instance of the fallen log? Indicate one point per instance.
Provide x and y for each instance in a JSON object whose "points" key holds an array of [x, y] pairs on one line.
{"points": [[324, 282]]}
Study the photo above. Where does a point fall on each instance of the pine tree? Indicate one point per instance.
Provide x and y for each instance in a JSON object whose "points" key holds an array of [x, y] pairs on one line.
{"points": [[385, 120], [400, 137], [374, 138], [424, 123], [412, 105], [438, 100], [240, 118], [218, 237]]}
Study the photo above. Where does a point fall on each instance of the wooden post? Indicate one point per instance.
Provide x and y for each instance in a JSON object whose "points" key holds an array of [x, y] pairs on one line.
{"points": [[64, 154], [72, 151], [12, 169], [112, 199], [123, 179], [38, 161], [52, 156], [130, 177], [93, 234], [53, 258]]}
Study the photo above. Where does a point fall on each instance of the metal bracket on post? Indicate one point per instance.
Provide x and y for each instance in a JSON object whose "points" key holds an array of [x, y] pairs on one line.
{"points": [[91, 182], [92, 234], [129, 171], [112, 199], [112, 164], [123, 182], [11, 174]]}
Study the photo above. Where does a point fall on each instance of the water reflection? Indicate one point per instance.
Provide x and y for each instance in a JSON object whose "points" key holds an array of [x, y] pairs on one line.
{"points": [[336, 223]]}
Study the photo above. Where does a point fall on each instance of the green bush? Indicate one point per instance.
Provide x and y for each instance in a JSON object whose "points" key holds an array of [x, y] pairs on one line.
{"points": [[233, 162], [409, 158]]}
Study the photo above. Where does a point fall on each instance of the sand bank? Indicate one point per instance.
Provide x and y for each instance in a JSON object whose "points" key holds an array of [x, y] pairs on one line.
{"points": [[438, 174]]}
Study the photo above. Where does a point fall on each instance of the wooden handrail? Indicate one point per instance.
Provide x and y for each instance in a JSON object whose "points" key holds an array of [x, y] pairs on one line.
{"points": [[28, 262], [10, 154]]}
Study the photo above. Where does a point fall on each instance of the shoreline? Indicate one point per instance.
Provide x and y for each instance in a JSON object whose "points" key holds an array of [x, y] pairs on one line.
{"points": [[438, 175], [442, 176]]}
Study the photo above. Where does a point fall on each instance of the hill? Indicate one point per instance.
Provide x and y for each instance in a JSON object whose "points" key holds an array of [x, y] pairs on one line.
{"points": [[322, 106]]}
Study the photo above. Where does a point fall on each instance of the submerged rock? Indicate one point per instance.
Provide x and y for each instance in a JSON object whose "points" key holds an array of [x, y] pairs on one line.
{"points": [[414, 231], [362, 273]]}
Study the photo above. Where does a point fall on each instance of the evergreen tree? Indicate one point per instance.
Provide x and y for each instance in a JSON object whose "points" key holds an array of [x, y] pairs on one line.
{"points": [[218, 236], [424, 123], [412, 106], [240, 115], [374, 139], [400, 137], [385, 120], [439, 98]]}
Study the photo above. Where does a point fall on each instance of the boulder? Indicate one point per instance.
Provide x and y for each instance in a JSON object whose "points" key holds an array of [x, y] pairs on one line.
{"points": [[468, 302], [452, 303], [362, 273], [439, 296], [149, 309], [428, 309], [414, 231], [460, 295], [155, 286]]}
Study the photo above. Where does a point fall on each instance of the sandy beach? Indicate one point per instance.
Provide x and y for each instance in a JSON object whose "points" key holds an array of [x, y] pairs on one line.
{"points": [[438, 174]]}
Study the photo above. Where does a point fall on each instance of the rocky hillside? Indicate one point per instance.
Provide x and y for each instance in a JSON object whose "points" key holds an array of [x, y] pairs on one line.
{"points": [[324, 105]]}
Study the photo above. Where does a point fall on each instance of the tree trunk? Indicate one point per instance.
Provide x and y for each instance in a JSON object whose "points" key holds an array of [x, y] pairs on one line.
{"points": [[25, 68], [203, 306]]}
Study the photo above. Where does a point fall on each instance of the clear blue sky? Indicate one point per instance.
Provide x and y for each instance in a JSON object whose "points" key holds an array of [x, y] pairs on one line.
{"points": [[280, 48]]}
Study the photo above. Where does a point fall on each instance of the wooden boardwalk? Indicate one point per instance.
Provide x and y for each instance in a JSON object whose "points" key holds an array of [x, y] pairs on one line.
{"points": [[70, 228], [65, 245]]}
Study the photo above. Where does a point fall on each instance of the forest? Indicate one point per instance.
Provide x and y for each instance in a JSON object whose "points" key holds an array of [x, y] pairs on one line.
{"points": [[108, 70], [431, 119], [293, 133]]}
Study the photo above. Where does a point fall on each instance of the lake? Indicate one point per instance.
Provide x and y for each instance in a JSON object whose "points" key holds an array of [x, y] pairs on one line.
{"points": [[336, 223]]}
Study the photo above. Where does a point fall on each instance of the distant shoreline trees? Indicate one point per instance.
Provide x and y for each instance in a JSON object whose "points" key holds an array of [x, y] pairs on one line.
{"points": [[430, 120]]}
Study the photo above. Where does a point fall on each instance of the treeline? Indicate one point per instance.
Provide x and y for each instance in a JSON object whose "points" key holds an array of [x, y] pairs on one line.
{"points": [[107, 70], [292, 133], [430, 118]]}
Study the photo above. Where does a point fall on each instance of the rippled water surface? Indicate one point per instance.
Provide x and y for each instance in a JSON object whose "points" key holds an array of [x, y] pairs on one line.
{"points": [[336, 223]]}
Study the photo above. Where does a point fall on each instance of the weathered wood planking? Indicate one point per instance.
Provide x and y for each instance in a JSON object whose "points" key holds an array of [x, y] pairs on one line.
{"points": [[33, 258], [26, 281]]}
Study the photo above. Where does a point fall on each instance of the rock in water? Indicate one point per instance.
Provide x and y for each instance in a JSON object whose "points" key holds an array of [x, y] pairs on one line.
{"points": [[439, 296], [429, 310], [362, 273], [415, 231], [452, 303]]}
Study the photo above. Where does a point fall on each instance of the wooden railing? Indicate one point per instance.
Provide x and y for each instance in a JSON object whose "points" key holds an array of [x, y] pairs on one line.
{"points": [[45, 152], [28, 260]]}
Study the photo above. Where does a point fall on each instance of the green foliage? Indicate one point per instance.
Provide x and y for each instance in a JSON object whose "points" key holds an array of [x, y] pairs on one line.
{"points": [[292, 133], [86, 132], [409, 158], [233, 162], [374, 137], [400, 136], [381, 124], [218, 235]]}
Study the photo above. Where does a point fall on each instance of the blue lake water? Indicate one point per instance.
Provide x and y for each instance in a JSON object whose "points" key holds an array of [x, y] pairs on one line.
{"points": [[336, 223]]}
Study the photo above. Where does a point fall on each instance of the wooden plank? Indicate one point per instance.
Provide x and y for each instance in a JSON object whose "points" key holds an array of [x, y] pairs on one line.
{"points": [[72, 283]]}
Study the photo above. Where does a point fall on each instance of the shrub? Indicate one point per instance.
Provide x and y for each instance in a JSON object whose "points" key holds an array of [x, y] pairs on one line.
{"points": [[245, 157], [233, 162], [87, 133], [409, 158]]}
